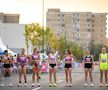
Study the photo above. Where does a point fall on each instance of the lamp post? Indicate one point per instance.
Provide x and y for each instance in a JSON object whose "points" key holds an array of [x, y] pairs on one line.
{"points": [[43, 28]]}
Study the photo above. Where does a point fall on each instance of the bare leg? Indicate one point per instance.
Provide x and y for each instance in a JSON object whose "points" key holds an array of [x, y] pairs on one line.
{"points": [[70, 76], [101, 76], [33, 75], [106, 76], [66, 73], [86, 74], [24, 70], [54, 74], [90, 74], [20, 73], [50, 76]]}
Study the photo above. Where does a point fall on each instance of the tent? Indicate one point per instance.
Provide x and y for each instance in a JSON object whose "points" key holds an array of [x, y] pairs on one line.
{"points": [[3, 47], [1, 52]]}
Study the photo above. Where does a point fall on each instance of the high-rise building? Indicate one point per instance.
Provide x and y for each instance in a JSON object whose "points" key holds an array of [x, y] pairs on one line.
{"points": [[77, 26], [9, 18], [99, 28]]}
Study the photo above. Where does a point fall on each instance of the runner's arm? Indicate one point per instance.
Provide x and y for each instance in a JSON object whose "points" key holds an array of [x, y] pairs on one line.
{"points": [[74, 57], [83, 61], [92, 61]]}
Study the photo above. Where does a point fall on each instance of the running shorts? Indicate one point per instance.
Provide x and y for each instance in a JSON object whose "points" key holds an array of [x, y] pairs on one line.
{"points": [[103, 66]]}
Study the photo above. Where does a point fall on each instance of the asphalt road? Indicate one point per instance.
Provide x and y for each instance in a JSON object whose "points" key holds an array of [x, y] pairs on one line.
{"points": [[78, 82]]}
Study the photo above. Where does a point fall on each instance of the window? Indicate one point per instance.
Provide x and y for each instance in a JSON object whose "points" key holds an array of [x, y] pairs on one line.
{"points": [[93, 25], [89, 25], [63, 25], [48, 19], [93, 20], [93, 40], [58, 19], [63, 20], [78, 35], [77, 29], [62, 15], [88, 20], [58, 15], [93, 15], [93, 30], [101, 35], [89, 30], [77, 39], [78, 20]]}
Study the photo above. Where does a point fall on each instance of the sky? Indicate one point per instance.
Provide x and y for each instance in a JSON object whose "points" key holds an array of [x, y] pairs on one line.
{"points": [[32, 10]]}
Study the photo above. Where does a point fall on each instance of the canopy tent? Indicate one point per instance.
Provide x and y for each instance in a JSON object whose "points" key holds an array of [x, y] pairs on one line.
{"points": [[3, 47], [1, 52]]}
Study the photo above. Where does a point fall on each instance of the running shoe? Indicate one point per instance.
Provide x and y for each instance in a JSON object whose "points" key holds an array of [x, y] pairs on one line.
{"points": [[32, 85], [91, 85], [85, 85], [38, 85], [10, 85], [70, 85], [50, 85], [39, 77], [19, 84], [106, 85], [54, 85], [66, 85], [25, 84], [100, 84], [2, 85]]}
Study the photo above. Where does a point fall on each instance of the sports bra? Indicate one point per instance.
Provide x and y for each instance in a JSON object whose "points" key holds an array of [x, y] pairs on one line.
{"points": [[68, 58], [52, 58], [22, 59], [35, 57], [7, 58]]}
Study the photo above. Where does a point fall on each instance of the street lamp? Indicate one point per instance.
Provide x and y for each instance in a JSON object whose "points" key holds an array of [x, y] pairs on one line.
{"points": [[43, 28]]}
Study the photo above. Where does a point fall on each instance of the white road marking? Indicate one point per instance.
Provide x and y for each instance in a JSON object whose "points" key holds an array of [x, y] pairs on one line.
{"points": [[37, 88], [59, 81]]}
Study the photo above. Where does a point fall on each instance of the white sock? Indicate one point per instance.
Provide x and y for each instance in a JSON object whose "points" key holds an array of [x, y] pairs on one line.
{"points": [[10, 79], [3, 79]]}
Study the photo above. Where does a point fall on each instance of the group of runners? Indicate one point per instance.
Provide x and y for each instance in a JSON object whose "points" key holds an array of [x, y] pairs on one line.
{"points": [[22, 60]]}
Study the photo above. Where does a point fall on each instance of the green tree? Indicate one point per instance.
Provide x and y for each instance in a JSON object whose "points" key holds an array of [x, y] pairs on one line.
{"points": [[34, 33], [26, 34]]}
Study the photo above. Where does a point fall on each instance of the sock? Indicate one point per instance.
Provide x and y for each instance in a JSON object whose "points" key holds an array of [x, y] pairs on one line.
{"points": [[3, 79], [25, 81], [10, 79]]}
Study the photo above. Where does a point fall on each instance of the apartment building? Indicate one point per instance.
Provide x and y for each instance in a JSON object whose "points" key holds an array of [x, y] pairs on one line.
{"points": [[9, 18], [79, 27]]}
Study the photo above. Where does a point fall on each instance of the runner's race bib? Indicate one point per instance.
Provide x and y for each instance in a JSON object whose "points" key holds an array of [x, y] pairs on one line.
{"points": [[88, 59], [103, 60]]}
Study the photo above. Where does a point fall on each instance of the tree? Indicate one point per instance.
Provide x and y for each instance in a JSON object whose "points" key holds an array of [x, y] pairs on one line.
{"points": [[96, 50], [34, 33], [61, 48], [26, 34], [77, 51]]}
